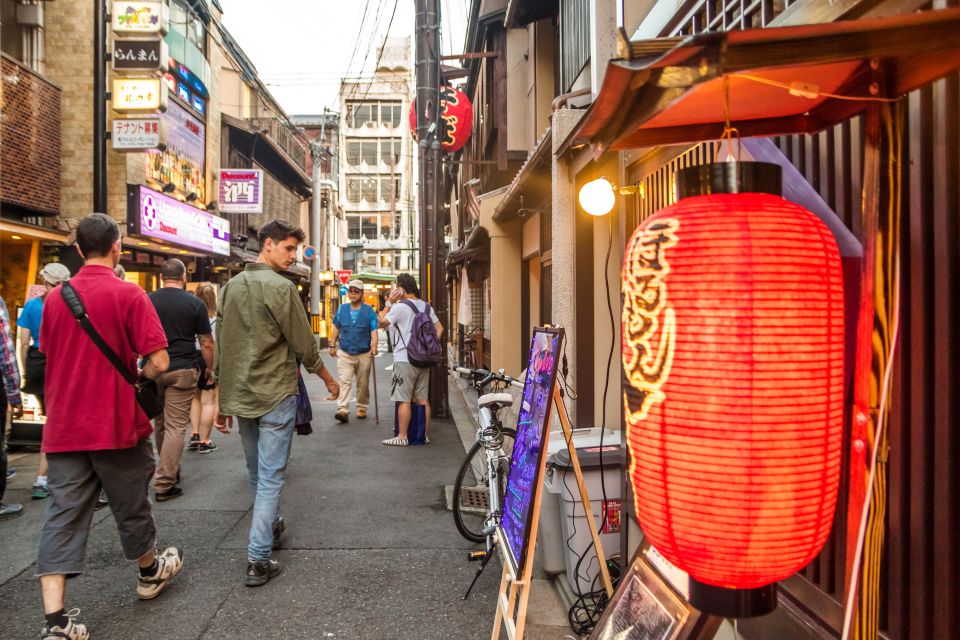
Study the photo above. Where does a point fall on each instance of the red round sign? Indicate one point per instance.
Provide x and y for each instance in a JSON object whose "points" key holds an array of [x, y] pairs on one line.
{"points": [[457, 116]]}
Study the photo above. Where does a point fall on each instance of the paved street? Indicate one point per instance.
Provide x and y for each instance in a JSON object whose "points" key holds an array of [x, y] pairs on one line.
{"points": [[370, 551]]}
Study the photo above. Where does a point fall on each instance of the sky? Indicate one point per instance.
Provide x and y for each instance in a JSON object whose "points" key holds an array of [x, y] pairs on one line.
{"points": [[302, 48]]}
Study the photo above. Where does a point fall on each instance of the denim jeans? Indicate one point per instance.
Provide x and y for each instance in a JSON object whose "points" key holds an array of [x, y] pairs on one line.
{"points": [[266, 445]]}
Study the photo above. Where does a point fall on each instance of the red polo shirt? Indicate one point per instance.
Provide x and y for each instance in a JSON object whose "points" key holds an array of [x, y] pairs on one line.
{"points": [[89, 405]]}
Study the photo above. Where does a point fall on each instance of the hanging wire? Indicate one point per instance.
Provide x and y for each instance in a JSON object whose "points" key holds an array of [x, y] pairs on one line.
{"points": [[729, 131]]}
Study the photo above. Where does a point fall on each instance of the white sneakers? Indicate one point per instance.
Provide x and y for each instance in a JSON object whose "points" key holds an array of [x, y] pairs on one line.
{"points": [[169, 563]]}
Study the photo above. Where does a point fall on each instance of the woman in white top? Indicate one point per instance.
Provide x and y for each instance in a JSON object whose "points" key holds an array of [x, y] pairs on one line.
{"points": [[205, 401]]}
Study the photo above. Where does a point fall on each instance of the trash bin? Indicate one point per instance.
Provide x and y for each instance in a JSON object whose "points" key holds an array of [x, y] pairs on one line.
{"points": [[551, 540], [575, 540]]}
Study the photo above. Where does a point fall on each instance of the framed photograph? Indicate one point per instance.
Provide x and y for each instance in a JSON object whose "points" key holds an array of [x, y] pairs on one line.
{"points": [[647, 606]]}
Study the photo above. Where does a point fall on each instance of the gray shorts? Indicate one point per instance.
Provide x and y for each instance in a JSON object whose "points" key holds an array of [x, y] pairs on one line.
{"points": [[74, 480], [409, 383]]}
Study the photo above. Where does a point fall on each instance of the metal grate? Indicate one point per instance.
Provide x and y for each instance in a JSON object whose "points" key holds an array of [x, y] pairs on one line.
{"points": [[474, 499]]}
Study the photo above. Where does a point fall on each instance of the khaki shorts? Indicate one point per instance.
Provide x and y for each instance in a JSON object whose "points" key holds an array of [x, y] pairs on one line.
{"points": [[409, 383]]}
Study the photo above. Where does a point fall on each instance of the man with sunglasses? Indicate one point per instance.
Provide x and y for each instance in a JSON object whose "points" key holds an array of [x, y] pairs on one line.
{"points": [[355, 329]]}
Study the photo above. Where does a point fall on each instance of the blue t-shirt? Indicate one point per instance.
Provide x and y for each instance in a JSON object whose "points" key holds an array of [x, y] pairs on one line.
{"points": [[30, 319], [355, 326]]}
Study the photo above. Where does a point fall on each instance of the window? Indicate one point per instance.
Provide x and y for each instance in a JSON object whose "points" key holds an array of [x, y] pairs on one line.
{"points": [[368, 152], [389, 151], [353, 228], [353, 189], [386, 114], [188, 24], [390, 115], [353, 153], [386, 194], [368, 189], [574, 40], [364, 113]]}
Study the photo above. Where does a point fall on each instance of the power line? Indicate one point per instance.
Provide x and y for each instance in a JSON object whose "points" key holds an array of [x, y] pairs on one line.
{"points": [[380, 54]]}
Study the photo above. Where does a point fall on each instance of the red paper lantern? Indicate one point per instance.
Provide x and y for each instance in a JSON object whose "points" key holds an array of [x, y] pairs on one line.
{"points": [[732, 344], [457, 116]]}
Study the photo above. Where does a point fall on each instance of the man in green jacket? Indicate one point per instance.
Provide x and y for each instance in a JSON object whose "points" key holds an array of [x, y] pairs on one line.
{"points": [[262, 333]]}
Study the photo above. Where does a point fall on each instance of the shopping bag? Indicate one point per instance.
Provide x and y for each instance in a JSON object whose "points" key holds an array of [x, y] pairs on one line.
{"points": [[418, 423]]}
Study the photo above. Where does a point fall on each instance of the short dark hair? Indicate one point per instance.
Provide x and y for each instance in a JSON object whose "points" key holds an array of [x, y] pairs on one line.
{"points": [[96, 234], [278, 231], [406, 282], [173, 269]]}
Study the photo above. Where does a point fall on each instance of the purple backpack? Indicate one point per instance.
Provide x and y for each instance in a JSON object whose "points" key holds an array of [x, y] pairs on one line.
{"points": [[423, 349]]}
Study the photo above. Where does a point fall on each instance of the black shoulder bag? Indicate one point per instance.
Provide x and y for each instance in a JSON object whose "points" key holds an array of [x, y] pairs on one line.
{"points": [[145, 389]]}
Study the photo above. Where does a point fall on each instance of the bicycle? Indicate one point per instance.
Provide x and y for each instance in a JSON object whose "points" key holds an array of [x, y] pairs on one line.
{"points": [[482, 478]]}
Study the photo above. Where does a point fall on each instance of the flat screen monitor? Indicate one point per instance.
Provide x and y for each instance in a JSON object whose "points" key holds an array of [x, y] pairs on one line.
{"points": [[526, 466]]}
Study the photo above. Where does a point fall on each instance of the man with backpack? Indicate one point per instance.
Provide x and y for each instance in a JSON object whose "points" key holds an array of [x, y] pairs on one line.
{"points": [[417, 348]]}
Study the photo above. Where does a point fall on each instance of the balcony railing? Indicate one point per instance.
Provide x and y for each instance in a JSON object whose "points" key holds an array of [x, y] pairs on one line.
{"points": [[280, 134]]}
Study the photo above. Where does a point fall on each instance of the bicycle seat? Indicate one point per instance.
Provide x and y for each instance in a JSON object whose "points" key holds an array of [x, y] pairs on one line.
{"points": [[499, 399]]}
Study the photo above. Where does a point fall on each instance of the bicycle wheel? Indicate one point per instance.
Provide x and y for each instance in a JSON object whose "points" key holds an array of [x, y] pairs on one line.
{"points": [[471, 501]]}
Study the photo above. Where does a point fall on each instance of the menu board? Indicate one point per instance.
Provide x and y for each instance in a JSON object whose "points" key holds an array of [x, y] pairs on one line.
{"points": [[532, 423]]}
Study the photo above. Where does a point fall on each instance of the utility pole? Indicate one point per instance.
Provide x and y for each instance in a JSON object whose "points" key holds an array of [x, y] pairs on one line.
{"points": [[428, 131], [316, 228], [100, 107]]}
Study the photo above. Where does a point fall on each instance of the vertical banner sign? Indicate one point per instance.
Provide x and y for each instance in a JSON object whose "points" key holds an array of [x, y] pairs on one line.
{"points": [[528, 450], [241, 191], [181, 163]]}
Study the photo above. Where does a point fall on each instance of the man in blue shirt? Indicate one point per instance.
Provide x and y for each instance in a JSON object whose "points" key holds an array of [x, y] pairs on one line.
{"points": [[355, 329]]}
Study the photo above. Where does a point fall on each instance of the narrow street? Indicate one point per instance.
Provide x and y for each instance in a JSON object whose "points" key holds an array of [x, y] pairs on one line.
{"points": [[370, 550]]}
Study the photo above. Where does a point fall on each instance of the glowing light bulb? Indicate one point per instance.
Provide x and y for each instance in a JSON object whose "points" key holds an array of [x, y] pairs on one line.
{"points": [[597, 197]]}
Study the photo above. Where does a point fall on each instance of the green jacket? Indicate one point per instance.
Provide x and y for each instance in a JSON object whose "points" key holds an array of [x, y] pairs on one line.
{"points": [[262, 331]]}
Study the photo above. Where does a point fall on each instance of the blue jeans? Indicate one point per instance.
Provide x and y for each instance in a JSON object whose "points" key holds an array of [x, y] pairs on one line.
{"points": [[266, 445]]}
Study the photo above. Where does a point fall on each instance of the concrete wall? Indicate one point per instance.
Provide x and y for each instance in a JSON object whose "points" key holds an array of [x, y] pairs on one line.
{"points": [[505, 264]]}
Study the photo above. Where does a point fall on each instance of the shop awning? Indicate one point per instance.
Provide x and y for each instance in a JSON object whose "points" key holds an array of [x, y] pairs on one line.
{"points": [[10, 228], [475, 247], [532, 186], [783, 80]]}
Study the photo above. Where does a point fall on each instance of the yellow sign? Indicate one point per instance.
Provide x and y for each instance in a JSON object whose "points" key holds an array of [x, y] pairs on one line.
{"points": [[138, 95]]}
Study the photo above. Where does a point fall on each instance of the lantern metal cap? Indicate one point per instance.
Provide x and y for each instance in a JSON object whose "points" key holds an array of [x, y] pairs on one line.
{"points": [[729, 177], [733, 603]]}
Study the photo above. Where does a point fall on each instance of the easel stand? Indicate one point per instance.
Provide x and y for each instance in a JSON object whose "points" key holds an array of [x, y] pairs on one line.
{"points": [[515, 585]]}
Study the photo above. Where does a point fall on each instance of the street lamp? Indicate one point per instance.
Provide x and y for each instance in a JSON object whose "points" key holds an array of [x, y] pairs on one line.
{"points": [[597, 197]]}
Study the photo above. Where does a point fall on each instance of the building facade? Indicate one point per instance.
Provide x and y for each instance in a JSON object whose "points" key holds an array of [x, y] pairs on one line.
{"points": [[377, 166]]}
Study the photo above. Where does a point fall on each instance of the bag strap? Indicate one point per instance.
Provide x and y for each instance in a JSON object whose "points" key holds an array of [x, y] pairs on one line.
{"points": [[77, 310]]}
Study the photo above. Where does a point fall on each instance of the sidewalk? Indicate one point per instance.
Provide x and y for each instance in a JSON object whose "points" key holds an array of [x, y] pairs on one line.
{"points": [[370, 552]]}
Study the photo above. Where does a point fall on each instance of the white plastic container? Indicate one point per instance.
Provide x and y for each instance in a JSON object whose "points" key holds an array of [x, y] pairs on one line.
{"points": [[551, 539]]}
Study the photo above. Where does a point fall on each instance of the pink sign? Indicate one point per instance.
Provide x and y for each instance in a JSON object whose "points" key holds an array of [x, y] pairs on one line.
{"points": [[166, 219]]}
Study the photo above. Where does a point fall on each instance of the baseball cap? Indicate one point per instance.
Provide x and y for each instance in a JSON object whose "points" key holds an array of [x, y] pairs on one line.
{"points": [[355, 284], [55, 273]]}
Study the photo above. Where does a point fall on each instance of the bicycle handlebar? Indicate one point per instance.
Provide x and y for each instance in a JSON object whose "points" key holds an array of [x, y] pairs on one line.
{"points": [[482, 377]]}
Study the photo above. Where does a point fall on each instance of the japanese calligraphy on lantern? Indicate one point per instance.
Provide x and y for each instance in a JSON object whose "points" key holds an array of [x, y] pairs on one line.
{"points": [[528, 450], [136, 134], [139, 55], [138, 94], [241, 191], [142, 18], [647, 364]]}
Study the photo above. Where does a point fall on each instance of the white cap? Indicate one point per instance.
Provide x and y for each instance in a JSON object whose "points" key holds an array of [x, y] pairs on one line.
{"points": [[356, 284], [55, 273]]}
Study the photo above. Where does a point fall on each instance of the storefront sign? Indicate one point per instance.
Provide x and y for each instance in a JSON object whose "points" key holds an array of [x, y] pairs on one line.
{"points": [[131, 95], [139, 55], [141, 18], [241, 191], [154, 215], [136, 134], [181, 163], [192, 80]]}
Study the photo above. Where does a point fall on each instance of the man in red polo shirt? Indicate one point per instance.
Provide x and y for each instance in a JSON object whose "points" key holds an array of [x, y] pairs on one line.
{"points": [[96, 434]]}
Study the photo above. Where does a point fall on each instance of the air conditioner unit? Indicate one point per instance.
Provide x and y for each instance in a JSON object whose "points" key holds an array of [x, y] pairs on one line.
{"points": [[30, 15]]}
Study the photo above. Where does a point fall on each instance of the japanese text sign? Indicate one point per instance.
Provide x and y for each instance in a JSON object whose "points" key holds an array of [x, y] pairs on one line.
{"points": [[141, 18], [138, 94], [241, 191], [155, 215], [528, 450], [343, 275], [136, 134], [139, 55]]}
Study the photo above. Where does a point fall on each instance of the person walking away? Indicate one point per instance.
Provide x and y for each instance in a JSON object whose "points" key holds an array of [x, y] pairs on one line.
{"points": [[185, 321], [204, 406], [96, 433], [355, 329], [34, 362], [11, 385], [262, 331], [410, 384]]}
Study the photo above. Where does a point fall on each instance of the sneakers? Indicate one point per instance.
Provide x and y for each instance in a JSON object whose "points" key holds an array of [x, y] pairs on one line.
{"points": [[194, 442], [11, 473], [206, 447], [10, 510], [279, 526], [342, 416], [361, 414], [396, 442], [169, 494], [101, 500], [73, 630], [261, 571], [40, 491], [169, 564]]}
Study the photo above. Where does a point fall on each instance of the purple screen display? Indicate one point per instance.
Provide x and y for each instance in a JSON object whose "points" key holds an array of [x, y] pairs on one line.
{"points": [[535, 408]]}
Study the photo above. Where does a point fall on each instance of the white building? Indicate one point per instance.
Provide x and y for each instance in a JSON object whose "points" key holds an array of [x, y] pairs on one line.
{"points": [[378, 166]]}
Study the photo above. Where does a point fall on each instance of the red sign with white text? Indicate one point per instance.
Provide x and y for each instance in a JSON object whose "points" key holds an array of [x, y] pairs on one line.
{"points": [[343, 275]]}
